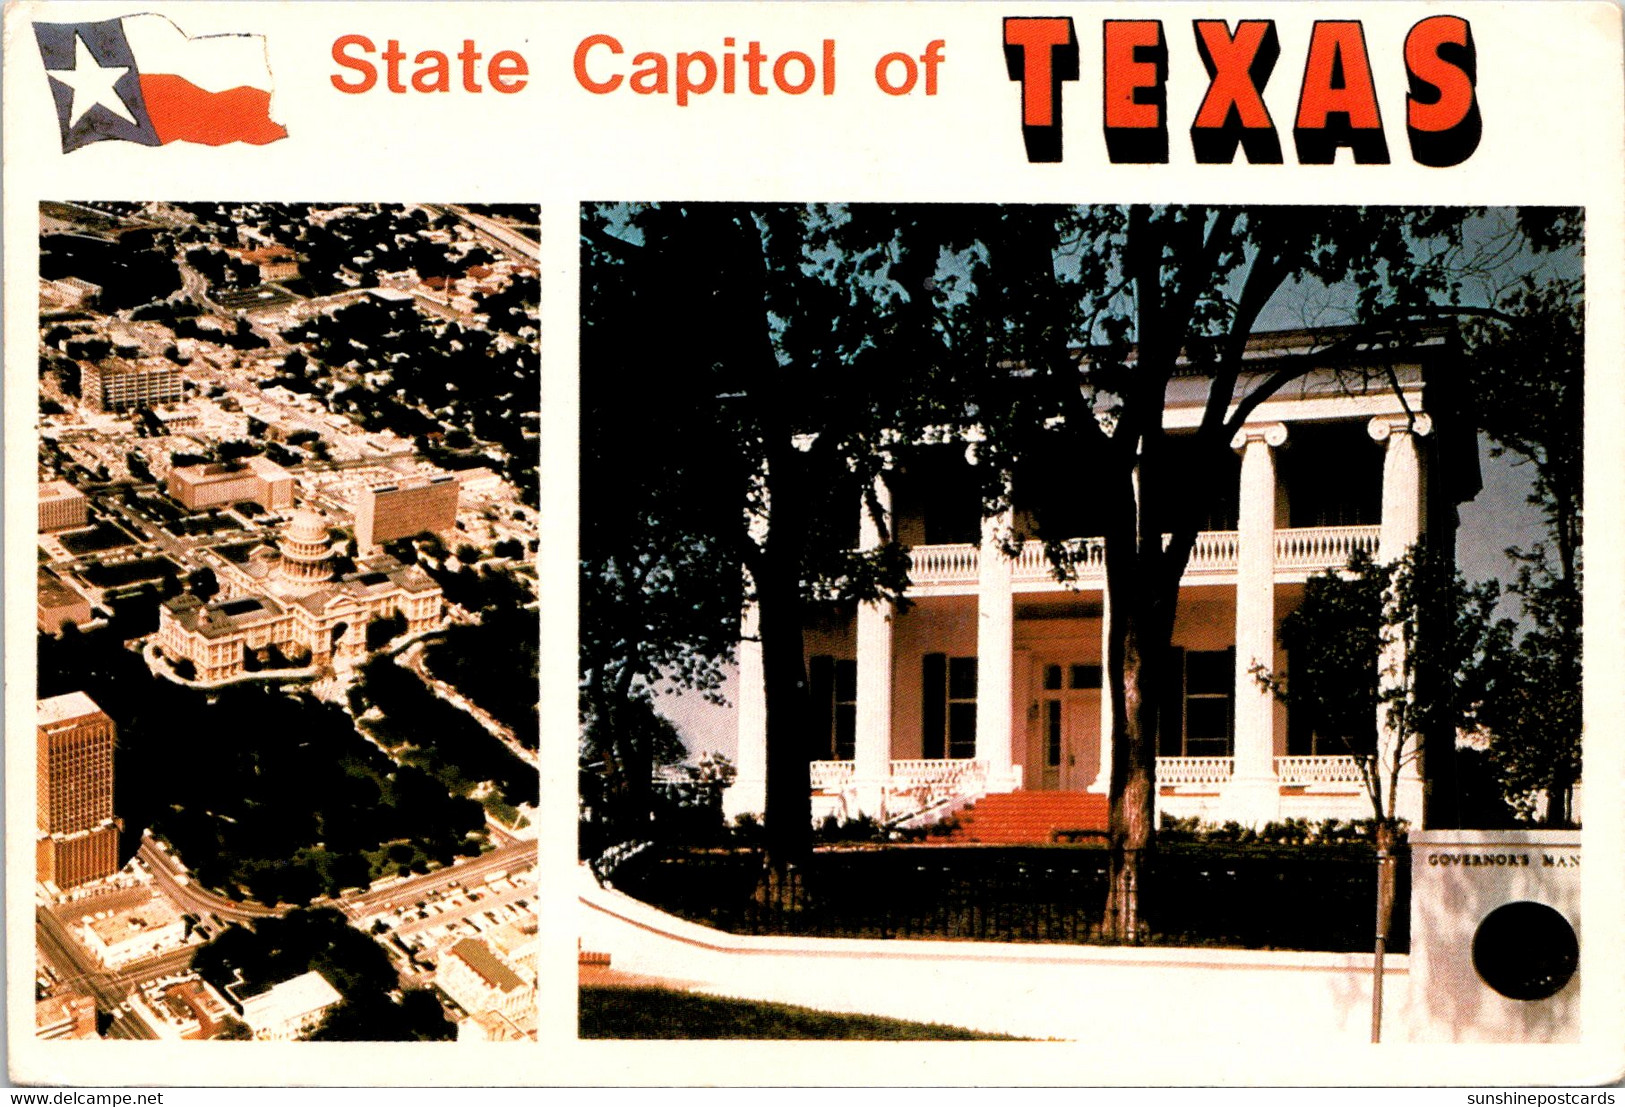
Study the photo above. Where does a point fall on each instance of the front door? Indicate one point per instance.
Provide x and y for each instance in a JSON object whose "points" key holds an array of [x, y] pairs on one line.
{"points": [[1066, 745]]}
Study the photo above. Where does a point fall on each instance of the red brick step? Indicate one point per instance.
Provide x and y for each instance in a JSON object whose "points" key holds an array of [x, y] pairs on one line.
{"points": [[1031, 818]]}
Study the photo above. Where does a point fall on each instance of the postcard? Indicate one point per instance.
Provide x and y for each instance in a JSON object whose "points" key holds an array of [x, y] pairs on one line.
{"points": [[645, 544]]}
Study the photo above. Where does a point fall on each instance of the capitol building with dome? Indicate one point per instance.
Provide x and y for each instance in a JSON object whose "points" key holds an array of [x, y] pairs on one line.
{"points": [[293, 599]]}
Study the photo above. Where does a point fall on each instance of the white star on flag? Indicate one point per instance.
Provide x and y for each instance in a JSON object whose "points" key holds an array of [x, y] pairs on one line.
{"points": [[92, 83]]}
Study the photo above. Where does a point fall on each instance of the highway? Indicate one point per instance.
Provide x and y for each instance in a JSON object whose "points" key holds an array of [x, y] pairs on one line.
{"points": [[517, 854], [412, 660], [188, 896], [72, 963], [512, 855], [505, 238]]}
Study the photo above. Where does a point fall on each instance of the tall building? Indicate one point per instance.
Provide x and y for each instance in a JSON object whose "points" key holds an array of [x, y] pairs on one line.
{"points": [[61, 506], [114, 384], [78, 836], [404, 509]]}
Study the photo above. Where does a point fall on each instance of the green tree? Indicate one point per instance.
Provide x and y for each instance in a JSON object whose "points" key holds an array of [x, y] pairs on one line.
{"points": [[762, 425], [202, 583], [1528, 376], [1408, 645]]}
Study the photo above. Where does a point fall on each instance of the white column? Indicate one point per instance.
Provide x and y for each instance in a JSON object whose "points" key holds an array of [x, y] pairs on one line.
{"points": [[1403, 507], [748, 793], [1021, 701], [873, 746], [1103, 778], [1253, 795], [995, 657], [1402, 500]]}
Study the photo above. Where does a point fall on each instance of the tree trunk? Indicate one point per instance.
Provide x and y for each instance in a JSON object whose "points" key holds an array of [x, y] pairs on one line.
{"points": [[637, 790], [787, 820], [1133, 683], [1385, 914], [1560, 800]]}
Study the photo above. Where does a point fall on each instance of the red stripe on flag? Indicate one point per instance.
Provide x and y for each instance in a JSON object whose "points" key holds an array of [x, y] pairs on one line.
{"points": [[182, 112]]}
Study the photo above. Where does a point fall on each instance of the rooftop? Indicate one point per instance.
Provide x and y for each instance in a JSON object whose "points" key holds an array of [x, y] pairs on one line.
{"points": [[290, 1000], [213, 470], [117, 366], [133, 922], [71, 705], [59, 490], [478, 956], [56, 593], [187, 1000], [214, 620]]}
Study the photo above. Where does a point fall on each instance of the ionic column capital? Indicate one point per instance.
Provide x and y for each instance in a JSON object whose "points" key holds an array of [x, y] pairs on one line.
{"points": [[1271, 434], [1382, 426]]}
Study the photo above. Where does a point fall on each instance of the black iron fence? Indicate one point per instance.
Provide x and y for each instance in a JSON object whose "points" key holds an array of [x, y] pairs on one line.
{"points": [[1257, 897]]}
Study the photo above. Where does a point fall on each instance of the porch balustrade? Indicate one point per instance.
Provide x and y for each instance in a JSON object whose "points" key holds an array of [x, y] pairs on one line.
{"points": [[913, 785], [1089, 562], [1316, 549], [944, 776], [1214, 551], [945, 564], [1297, 550], [833, 776], [1322, 769], [1195, 770]]}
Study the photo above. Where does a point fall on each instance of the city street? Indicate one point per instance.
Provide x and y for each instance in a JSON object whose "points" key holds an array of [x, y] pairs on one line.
{"points": [[77, 969]]}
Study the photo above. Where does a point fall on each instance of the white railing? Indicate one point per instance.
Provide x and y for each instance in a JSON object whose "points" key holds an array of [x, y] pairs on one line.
{"points": [[954, 774], [1089, 561], [1195, 770], [1319, 548], [832, 776], [911, 786], [1320, 769], [916, 785], [947, 564], [1214, 551]]}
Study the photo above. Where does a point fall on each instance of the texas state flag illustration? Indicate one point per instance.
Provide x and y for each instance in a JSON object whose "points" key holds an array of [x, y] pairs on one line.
{"points": [[139, 79]]}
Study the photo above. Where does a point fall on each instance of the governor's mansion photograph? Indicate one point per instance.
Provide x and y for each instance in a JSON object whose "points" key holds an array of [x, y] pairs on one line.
{"points": [[1195, 578]]}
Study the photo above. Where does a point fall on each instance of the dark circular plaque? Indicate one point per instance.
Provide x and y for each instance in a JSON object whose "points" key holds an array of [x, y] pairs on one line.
{"points": [[1525, 950]]}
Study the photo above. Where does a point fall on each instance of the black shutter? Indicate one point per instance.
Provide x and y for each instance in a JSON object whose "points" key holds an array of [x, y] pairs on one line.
{"points": [[821, 692], [1171, 724], [1230, 714], [933, 704]]}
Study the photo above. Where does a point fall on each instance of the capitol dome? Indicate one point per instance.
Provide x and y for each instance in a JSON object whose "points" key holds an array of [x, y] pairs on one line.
{"points": [[304, 547]]}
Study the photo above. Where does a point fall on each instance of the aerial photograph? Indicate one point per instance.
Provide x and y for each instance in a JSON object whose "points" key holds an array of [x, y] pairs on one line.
{"points": [[287, 621]]}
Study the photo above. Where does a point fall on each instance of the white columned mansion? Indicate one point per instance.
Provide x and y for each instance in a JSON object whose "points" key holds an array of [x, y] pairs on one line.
{"points": [[990, 679]]}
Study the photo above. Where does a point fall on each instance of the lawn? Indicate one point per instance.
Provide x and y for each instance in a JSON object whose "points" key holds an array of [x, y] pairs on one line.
{"points": [[610, 1012]]}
